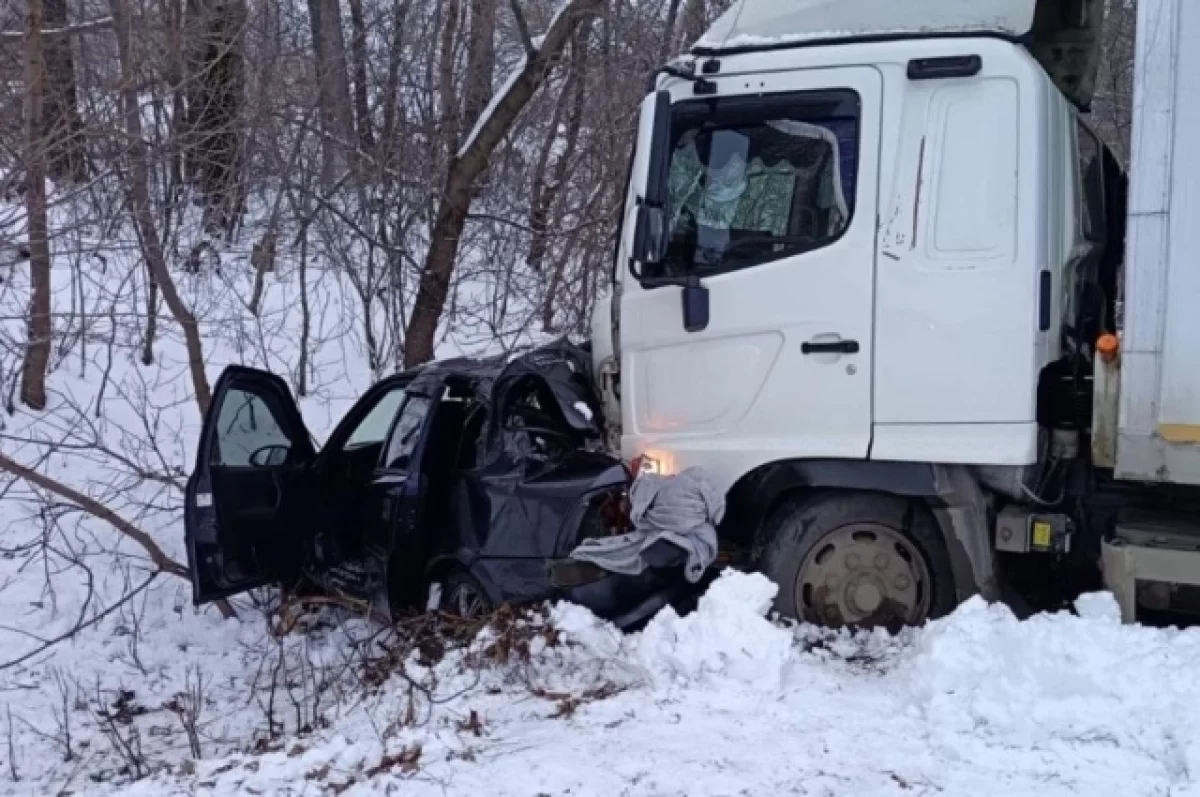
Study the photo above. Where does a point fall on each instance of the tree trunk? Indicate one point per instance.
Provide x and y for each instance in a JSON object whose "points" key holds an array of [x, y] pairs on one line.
{"points": [[216, 33], [668, 38], [447, 92], [358, 50], [548, 191], [694, 22], [61, 125], [438, 269], [37, 351], [172, 11], [481, 61], [333, 87], [391, 88], [137, 183]]}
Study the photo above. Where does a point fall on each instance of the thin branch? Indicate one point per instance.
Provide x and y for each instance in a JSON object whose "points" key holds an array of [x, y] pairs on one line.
{"points": [[49, 643], [523, 28], [98, 510], [51, 33]]}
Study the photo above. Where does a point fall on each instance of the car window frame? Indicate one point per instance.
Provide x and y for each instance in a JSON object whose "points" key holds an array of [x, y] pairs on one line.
{"points": [[385, 456], [277, 411], [797, 105], [357, 413], [372, 406]]}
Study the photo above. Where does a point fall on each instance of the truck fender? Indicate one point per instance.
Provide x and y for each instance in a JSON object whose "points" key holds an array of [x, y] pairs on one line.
{"points": [[952, 493]]}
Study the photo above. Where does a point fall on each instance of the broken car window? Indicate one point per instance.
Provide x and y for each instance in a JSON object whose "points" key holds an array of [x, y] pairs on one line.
{"points": [[754, 182], [246, 425], [407, 432], [374, 428], [533, 425]]}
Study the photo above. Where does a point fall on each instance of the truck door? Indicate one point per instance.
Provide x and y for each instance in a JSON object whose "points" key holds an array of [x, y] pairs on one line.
{"points": [[245, 505], [770, 208]]}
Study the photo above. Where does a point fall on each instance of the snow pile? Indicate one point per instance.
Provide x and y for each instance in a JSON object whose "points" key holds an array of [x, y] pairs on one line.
{"points": [[726, 639], [724, 701], [1067, 686]]}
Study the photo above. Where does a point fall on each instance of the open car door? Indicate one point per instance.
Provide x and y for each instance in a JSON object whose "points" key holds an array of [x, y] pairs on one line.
{"points": [[244, 508]]}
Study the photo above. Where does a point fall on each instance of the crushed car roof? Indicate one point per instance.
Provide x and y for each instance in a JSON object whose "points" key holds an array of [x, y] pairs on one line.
{"points": [[562, 366]]}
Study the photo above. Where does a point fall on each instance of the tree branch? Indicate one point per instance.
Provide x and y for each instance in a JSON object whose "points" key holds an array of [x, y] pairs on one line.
{"points": [[51, 33], [98, 510], [523, 28]]}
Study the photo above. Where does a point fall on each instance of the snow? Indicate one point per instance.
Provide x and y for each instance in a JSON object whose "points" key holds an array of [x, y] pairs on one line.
{"points": [[724, 701], [756, 23]]}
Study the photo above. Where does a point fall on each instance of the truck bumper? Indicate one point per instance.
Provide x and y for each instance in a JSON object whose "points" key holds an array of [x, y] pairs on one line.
{"points": [[1149, 556]]}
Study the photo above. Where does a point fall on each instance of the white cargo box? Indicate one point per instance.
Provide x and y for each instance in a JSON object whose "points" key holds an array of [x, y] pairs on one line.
{"points": [[1159, 417]]}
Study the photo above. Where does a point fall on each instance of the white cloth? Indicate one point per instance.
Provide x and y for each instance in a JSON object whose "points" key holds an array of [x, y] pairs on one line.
{"points": [[683, 510]]}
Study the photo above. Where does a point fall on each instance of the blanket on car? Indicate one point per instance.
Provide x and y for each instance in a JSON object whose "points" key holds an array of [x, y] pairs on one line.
{"points": [[683, 510]]}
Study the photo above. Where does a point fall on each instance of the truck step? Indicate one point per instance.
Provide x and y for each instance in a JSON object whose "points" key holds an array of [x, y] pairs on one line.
{"points": [[1153, 561]]}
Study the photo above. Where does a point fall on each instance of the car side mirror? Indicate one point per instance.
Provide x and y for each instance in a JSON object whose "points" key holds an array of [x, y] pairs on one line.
{"points": [[695, 305], [271, 456], [650, 235]]}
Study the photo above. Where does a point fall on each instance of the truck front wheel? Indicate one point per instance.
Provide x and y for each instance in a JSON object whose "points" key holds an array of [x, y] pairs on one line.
{"points": [[857, 559]]}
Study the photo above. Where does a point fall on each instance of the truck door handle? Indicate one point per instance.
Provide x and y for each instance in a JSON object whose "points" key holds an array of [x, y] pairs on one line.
{"points": [[830, 347]]}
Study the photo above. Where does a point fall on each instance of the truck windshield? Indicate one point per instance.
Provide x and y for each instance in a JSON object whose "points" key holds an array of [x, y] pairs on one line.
{"points": [[756, 179]]}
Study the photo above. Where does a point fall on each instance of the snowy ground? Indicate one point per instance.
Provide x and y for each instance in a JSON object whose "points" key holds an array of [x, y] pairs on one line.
{"points": [[724, 702], [112, 684]]}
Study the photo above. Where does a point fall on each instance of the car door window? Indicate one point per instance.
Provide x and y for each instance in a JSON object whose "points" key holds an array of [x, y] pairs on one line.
{"points": [[249, 432], [373, 429], [407, 432]]}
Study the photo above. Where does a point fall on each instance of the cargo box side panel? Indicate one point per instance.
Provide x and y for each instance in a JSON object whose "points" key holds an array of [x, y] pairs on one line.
{"points": [[1159, 436]]}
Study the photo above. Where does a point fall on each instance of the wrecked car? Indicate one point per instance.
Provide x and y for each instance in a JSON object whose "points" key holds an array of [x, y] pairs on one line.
{"points": [[465, 482]]}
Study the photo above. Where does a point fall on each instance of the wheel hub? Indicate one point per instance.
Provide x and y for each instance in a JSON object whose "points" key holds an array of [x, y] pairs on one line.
{"points": [[864, 575]]}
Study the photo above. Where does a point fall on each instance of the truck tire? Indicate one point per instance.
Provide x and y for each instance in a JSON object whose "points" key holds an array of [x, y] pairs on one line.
{"points": [[857, 559]]}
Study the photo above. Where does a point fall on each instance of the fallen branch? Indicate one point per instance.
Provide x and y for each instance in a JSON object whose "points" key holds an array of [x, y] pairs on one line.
{"points": [[98, 510]]}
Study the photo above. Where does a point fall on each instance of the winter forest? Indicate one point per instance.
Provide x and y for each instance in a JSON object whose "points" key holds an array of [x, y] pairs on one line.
{"points": [[336, 191]]}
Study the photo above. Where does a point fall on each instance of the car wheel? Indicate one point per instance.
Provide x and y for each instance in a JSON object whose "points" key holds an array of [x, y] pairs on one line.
{"points": [[465, 597], [863, 560]]}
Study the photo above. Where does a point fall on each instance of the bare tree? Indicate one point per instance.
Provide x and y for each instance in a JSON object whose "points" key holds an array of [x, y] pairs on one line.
{"points": [[466, 167], [333, 86], [694, 22], [62, 126], [358, 48], [137, 189], [215, 31], [37, 352], [481, 60]]}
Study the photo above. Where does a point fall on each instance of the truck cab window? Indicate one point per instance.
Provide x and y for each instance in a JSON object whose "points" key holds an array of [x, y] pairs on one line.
{"points": [[750, 183]]}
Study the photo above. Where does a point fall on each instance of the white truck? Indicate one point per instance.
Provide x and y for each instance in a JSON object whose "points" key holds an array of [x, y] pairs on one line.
{"points": [[881, 281]]}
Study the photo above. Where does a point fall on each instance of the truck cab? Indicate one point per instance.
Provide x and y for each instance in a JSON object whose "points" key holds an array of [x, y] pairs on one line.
{"points": [[867, 259]]}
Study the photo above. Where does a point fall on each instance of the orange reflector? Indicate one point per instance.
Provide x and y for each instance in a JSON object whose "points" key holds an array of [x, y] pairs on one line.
{"points": [[1107, 346]]}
